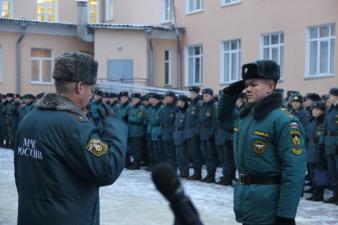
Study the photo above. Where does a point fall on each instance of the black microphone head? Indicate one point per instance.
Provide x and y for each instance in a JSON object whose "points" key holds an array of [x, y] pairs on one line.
{"points": [[165, 179]]}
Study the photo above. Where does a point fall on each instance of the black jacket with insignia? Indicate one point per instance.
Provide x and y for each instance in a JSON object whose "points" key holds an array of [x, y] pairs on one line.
{"points": [[61, 160]]}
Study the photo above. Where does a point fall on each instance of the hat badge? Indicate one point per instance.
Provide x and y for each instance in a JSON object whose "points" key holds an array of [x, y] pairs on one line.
{"points": [[246, 70]]}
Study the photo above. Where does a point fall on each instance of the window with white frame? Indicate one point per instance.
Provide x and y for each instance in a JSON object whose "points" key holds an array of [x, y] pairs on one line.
{"points": [[166, 10], [1, 64], [109, 6], [42, 65], [92, 11], [167, 67], [194, 5], [194, 65], [6, 8], [47, 10], [230, 2], [320, 50], [272, 48], [231, 61]]}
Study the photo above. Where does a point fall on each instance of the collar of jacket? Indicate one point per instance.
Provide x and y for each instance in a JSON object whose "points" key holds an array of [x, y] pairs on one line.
{"points": [[264, 107], [210, 103], [56, 102]]}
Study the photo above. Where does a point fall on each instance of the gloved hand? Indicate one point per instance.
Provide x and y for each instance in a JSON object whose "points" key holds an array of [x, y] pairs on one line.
{"points": [[235, 88], [104, 111], [284, 221]]}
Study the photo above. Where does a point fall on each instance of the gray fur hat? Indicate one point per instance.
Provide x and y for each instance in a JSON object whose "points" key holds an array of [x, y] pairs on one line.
{"points": [[76, 66]]}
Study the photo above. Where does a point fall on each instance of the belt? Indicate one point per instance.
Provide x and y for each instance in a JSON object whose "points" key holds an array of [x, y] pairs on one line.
{"points": [[333, 133], [248, 179]]}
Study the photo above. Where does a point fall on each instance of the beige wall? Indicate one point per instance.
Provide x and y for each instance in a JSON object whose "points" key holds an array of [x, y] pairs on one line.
{"points": [[58, 44], [121, 45], [159, 47], [247, 21]]}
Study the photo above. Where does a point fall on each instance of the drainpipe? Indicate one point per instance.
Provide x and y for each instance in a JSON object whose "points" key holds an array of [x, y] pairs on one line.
{"points": [[82, 21], [178, 57], [18, 57], [150, 51]]}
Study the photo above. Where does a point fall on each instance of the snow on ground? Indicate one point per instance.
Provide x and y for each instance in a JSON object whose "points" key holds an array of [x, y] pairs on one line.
{"points": [[133, 199]]}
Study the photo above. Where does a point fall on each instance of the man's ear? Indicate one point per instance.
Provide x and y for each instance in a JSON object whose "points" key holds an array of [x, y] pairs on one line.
{"points": [[79, 87]]}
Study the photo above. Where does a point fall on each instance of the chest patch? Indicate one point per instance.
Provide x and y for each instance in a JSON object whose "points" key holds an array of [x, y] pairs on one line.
{"points": [[259, 146], [97, 147], [261, 134], [297, 151], [295, 137]]}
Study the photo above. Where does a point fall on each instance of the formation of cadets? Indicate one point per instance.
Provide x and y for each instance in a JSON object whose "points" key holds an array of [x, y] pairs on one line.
{"points": [[185, 132]]}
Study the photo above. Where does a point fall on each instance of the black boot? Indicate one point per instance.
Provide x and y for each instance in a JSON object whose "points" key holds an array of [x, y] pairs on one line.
{"points": [[310, 190], [211, 179], [319, 195], [135, 166], [313, 196], [225, 181], [206, 178], [333, 199], [195, 176]]}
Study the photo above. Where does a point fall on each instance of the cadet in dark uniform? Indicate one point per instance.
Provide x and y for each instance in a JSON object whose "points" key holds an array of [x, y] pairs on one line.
{"points": [[61, 159], [314, 151], [207, 117], [28, 106], [331, 144], [136, 117], [114, 101], [268, 147], [8, 110], [298, 110], [94, 106], [158, 155], [191, 132], [167, 128], [123, 107], [182, 155]]}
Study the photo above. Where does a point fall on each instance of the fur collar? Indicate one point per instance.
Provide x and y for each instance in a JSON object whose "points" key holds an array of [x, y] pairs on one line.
{"points": [[56, 102], [264, 107]]}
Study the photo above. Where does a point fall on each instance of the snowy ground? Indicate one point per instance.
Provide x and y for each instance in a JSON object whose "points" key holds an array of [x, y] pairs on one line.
{"points": [[133, 200]]}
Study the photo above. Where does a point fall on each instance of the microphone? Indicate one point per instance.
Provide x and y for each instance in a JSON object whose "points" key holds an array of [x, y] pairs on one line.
{"points": [[166, 181]]}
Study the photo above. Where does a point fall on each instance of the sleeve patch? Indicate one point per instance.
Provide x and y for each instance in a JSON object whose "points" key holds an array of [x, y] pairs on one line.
{"points": [[295, 137], [294, 125], [97, 147], [297, 151]]}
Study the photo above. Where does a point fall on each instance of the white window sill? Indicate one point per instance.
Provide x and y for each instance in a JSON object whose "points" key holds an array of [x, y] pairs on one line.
{"points": [[308, 77], [166, 22], [194, 12], [41, 83], [230, 4]]}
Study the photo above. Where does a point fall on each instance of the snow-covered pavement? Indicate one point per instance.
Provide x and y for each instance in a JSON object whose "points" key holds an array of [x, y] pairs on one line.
{"points": [[133, 200]]}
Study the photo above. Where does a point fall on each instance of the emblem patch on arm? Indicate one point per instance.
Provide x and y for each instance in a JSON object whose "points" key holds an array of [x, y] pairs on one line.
{"points": [[295, 137], [97, 147]]}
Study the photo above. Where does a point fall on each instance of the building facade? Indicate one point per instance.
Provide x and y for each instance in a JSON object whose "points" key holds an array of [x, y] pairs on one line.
{"points": [[168, 43]]}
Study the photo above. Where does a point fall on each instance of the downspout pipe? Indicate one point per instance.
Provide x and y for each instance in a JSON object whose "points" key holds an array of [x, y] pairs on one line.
{"points": [[178, 36], [150, 50], [18, 57], [82, 21]]}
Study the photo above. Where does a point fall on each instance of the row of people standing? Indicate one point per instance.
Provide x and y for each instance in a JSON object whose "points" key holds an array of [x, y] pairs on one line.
{"points": [[13, 108], [173, 129]]}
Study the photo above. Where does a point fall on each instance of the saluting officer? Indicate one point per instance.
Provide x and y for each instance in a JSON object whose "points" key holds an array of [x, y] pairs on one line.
{"points": [[268, 147], [61, 163], [331, 143], [207, 117], [191, 132], [136, 117], [167, 128]]}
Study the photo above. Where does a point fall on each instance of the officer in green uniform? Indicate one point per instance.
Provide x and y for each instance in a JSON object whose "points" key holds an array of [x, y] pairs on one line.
{"points": [[191, 133], [61, 159], [28, 106], [268, 148], [331, 143], [298, 110], [136, 117], [207, 117], [114, 101], [155, 128], [167, 128]]}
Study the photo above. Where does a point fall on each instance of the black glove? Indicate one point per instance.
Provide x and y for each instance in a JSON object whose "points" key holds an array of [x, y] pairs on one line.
{"points": [[284, 221], [104, 111], [235, 88]]}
